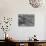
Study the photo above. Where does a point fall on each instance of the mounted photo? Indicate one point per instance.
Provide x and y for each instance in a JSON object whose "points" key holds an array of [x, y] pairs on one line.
{"points": [[26, 20]]}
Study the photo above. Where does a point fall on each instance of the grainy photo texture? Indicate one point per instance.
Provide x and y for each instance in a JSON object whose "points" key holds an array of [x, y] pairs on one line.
{"points": [[25, 20]]}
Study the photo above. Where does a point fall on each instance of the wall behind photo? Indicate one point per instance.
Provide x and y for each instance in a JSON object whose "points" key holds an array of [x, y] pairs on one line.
{"points": [[11, 8]]}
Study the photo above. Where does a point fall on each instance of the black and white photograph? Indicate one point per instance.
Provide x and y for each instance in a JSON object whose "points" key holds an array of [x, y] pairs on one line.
{"points": [[26, 20], [22, 22]]}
